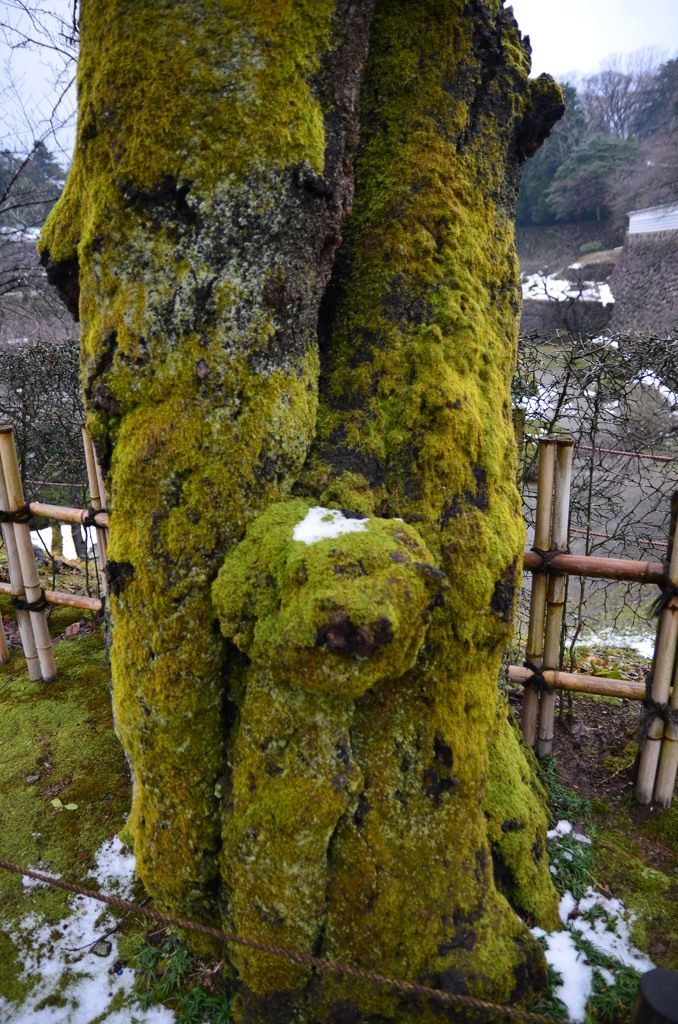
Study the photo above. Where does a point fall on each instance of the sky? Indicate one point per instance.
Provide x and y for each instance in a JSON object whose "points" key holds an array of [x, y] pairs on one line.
{"points": [[574, 36], [568, 37]]}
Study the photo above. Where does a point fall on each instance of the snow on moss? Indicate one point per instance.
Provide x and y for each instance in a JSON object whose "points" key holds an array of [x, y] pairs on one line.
{"points": [[321, 523]]}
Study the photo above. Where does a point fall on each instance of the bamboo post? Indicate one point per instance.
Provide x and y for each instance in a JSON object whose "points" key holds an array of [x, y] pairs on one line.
{"points": [[16, 588], [664, 657], [97, 492], [29, 569], [555, 607], [542, 539], [4, 650], [668, 759]]}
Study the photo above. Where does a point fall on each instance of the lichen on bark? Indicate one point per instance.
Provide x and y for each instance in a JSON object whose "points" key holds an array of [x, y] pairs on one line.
{"points": [[299, 776]]}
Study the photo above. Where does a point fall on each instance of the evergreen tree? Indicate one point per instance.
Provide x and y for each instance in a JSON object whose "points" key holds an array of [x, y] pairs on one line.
{"points": [[533, 206], [582, 185], [28, 188]]}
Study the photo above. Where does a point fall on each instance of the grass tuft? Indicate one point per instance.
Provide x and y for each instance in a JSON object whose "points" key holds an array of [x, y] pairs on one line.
{"points": [[169, 973]]}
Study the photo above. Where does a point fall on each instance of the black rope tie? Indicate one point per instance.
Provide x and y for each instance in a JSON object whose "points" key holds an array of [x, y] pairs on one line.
{"points": [[668, 715], [536, 681], [669, 591], [38, 605], [19, 515], [547, 568], [92, 513]]}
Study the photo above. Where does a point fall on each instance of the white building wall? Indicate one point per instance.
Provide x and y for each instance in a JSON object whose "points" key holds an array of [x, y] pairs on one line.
{"points": [[654, 218]]}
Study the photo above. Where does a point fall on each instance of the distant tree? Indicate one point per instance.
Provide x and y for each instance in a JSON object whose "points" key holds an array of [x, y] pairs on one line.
{"points": [[613, 98], [533, 206], [581, 188], [29, 186], [657, 110]]}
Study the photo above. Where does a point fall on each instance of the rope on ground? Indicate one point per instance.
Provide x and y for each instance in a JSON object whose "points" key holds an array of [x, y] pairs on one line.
{"points": [[295, 956]]}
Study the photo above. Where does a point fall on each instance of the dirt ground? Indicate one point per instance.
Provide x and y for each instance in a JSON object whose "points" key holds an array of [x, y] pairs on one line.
{"points": [[595, 749]]}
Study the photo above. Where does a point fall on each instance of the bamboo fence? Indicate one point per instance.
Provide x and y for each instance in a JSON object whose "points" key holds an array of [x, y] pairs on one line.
{"points": [[24, 568], [24, 585], [549, 560], [659, 733]]}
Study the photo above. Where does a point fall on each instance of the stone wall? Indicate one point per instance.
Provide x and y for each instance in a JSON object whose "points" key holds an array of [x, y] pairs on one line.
{"points": [[645, 284]]}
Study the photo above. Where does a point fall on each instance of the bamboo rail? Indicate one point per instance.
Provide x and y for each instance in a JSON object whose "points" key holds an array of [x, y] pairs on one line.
{"points": [[24, 549], [573, 681], [601, 568], [58, 597], [555, 603], [542, 539], [67, 514]]}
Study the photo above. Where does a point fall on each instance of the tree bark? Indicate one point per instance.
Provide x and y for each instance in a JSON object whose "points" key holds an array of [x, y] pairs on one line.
{"points": [[316, 776]]}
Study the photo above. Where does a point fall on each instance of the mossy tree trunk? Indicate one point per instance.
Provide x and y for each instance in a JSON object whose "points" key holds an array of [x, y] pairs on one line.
{"points": [[316, 772]]}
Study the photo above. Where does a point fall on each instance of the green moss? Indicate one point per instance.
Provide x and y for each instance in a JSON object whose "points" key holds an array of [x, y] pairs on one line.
{"points": [[516, 806], [251, 108], [649, 893], [415, 414], [62, 732], [636, 855], [200, 410], [337, 616]]}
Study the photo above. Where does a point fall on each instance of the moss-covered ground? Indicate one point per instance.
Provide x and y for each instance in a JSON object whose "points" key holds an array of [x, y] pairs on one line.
{"points": [[634, 856], [56, 742]]}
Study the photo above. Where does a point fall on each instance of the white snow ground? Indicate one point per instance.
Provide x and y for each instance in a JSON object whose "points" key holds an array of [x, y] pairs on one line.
{"points": [[92, 985], [42, 540], [608, 930], [550, 287], [641, 642]]}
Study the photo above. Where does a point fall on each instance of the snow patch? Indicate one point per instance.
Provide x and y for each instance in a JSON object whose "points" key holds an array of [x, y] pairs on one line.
{"points": [[42, 540], [563, 828], [323, 523], [642, 643], [570, 963], [652, 381], [611, 931], [600, 920], [551, 287], [51, 953]]}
